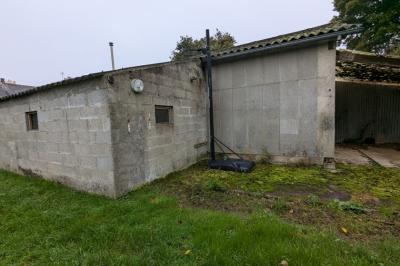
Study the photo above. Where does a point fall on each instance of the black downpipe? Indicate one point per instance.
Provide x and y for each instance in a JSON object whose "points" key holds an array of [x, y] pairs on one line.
{"points": [[210, 95], [227, 165]]}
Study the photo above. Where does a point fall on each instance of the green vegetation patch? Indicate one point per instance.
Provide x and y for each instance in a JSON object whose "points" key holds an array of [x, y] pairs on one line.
{"points": [[43, 223], [265, 177], [383, 183]]}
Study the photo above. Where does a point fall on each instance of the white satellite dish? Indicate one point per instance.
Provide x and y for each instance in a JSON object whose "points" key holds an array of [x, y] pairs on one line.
{"points": [[137, 85]]}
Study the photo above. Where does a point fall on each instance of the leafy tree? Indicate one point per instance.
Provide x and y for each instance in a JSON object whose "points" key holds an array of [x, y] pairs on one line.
{"points": [[187, 46], [380, 21]]}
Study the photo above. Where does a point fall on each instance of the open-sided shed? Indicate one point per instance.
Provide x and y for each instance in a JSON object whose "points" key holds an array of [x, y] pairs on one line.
{"points": [[367, 98]]}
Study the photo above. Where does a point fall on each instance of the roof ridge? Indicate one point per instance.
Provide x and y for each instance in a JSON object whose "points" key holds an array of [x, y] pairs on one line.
{"points": [[285, 34], [327, 28]]}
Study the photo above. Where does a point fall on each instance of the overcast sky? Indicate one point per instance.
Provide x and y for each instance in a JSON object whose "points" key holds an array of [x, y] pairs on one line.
{"points": [[39, 39]]}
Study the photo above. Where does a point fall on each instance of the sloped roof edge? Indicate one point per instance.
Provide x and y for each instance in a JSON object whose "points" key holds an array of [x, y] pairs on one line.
{"points": [[315, 34], [82, 78]]}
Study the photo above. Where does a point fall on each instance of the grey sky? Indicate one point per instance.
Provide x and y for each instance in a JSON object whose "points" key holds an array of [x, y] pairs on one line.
{"points": [[42, 38]]}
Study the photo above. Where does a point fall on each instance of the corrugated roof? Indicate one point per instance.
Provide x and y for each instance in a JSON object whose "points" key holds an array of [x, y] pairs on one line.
{"points": [[31, 90], [330, 29], [7, 89], [355, 65]]}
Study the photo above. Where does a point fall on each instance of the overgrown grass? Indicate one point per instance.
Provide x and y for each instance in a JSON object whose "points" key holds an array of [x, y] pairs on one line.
{"points": [[42, 223], [264, 178], [311, 195], [381, 182]]}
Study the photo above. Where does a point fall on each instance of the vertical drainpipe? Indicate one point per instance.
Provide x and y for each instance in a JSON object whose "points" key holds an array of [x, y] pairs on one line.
{"points": [[210, 96], [112, 55]]}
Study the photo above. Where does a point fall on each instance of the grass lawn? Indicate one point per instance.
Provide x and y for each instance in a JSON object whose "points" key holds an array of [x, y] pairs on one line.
{"points": [[205, 217]]}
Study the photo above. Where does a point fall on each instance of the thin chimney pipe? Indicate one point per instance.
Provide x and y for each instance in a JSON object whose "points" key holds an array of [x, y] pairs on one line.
{"points": [[112, 55]]}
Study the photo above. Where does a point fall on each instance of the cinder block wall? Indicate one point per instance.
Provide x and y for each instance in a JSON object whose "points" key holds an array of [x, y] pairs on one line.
{"points": [[73, 143], [153, 150], [282, 102]]}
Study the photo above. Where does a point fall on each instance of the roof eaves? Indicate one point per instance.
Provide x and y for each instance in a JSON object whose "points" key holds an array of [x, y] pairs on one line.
{"points": [[280, 42], [84, 78], [51, 85]]}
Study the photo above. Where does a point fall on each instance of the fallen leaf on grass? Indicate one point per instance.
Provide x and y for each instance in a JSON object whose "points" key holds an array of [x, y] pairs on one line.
{"points": [[154, 200], [187, 252], [284, 263], [344, 230]]}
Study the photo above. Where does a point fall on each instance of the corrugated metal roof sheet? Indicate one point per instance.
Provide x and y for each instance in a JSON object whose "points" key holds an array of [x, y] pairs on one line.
{"points": [[31, 90], [355, 65], [7, 89], [325, 29]]}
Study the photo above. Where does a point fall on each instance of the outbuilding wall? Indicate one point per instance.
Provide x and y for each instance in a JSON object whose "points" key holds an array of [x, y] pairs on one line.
{"points": [[149, 150], [73, 143], [281, 103]]}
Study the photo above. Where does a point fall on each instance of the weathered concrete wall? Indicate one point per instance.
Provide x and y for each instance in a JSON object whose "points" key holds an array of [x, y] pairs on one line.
{"points": [[367, 111], [73, 143], [282, 102], [153, 150]]}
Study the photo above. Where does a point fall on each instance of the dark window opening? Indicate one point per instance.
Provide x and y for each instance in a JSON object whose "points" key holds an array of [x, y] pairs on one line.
{"points": [[32, 121], [163, 114]]}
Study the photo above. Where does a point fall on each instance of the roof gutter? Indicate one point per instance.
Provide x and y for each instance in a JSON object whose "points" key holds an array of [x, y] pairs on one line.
{"points": [[266, 49]]}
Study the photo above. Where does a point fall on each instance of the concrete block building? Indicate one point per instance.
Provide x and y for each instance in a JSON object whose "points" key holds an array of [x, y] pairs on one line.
{"points": [[94, 133], [277, 95]]}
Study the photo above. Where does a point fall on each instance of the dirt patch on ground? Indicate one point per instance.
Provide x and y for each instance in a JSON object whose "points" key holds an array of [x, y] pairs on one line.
{"points": [[335, 193]]}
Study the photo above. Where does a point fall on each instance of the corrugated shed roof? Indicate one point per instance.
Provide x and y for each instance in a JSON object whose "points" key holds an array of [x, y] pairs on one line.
{"points": [[331, 28], [7, 89], [31, 90], [354, 65]]}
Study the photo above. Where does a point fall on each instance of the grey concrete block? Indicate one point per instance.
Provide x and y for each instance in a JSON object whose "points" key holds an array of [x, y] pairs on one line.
{"points": [[95, 125], [104, 163], [288, 67], [96, 97], [78, 125], [65, 148], [254, 72], [271, 101], [77, 100], [254, 98], [82, 149], [103, 137], [100, 149], [289, 126], [238, 75], [88, 162], [223, 77], [307, 62], [72, 113]]}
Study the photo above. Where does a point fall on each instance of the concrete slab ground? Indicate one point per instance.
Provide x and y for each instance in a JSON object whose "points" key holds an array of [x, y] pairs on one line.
{"points": [[385, 157], [350, 155], [364, 155]]}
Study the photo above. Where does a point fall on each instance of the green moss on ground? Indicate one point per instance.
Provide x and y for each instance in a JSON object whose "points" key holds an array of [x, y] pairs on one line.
{"points": [[381, 182]]}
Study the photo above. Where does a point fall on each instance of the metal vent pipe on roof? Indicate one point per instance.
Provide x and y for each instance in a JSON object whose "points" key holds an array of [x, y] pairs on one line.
{"points": [[112, 55]]}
